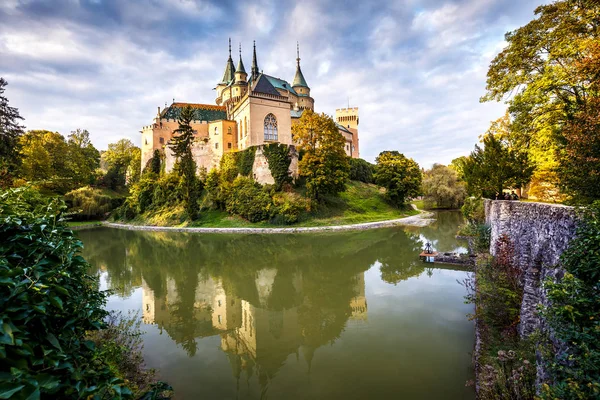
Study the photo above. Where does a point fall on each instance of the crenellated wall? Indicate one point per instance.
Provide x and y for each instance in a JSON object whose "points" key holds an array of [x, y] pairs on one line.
{"points": [[540, 233]]}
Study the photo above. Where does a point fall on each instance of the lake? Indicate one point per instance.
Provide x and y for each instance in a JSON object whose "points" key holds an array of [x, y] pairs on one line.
{"points": [[351, 315]]}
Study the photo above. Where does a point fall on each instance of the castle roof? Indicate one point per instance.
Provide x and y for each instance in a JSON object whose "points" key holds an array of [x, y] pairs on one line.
{"points": [[281, 84], [299, 78], [263, 85], [343, 128], [202, 112]]}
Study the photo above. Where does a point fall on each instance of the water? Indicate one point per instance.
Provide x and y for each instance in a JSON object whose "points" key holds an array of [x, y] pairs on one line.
{"points": [[309, 316]]}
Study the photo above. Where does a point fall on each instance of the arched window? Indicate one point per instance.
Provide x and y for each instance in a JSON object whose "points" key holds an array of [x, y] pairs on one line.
{"points": [[245, 127], [216, 130], [270, 127]]}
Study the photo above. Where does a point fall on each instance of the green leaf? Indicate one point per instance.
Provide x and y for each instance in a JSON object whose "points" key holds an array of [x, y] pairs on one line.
{"points": [[8, 389], [53, 341], [56, 301], [47, 381]]}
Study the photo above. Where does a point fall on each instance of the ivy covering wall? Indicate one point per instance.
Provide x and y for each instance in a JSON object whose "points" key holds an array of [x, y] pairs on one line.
{"points": [[279, 158]]}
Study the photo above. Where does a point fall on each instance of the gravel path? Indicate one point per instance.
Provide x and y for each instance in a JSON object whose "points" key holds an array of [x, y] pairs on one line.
{"points": [[422, 219]]}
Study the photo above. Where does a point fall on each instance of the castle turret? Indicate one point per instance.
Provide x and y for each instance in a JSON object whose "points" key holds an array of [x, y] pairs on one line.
{"points": [[228, 77], [240, 71], [300, 86]]}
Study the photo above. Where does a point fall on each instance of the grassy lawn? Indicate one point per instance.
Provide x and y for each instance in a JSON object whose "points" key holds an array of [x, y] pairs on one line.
{"points": [[81, 223], [359, 203]]}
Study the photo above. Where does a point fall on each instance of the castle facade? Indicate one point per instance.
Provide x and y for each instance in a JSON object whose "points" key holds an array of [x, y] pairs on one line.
{"points": [[252, 109]]}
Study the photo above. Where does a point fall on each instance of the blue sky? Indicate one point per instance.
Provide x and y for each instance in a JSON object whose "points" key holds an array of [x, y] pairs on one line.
{"points": [[415, 68]]}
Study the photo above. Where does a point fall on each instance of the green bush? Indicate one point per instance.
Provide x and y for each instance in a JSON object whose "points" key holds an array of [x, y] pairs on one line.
{"points": [[245, 160], [473, 210], [278, 156], [90, 203], [167, 191], [48, 304], [247, 199], [289, 207], [361, 170]]}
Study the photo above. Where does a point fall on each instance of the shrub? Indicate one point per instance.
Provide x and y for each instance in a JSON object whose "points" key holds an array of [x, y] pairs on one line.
{"points": [[48, 303], [245, 160], [361, 170], [278, 156], [289, 207], [248, 199], [473, 210], [89, 203], [166, 191]]}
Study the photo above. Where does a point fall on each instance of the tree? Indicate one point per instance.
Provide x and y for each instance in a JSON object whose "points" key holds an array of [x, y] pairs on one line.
{"points": [[134, 169], [10, 132], [540, 71], [117, 158], [400, 176], [83, 158], [324, 163], [442, 187], [153, 164], [181, 146], [44, 155], [361, 170]]}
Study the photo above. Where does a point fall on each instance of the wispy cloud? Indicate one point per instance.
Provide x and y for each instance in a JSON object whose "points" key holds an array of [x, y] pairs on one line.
{"points": [[415, 68]]}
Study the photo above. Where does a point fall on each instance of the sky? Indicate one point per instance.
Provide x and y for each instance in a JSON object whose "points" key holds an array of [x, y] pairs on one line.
{"points": [[415, 68]]}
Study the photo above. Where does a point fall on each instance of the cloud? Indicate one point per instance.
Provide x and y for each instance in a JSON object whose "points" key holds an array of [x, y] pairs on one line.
{"points": [[415, 68]]}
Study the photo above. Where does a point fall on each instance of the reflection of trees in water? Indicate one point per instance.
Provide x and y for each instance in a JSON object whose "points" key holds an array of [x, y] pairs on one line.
{"points": [[442, 232]]}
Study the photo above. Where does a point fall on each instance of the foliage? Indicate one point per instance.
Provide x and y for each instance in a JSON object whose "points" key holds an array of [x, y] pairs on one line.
{"points": [[153, 165], [573, 315], [134, 169], [497, 165], [248, 199], [181, 146], [245, 160], [10, 132], [48, 303], [90, 203], [442, 187], [361, 170], [279, 158], [400, 176], [324, 164], [473, 210], [289, 207], [120, 342], [83, 158], [548, 70], [506, 362], [117, 159]]}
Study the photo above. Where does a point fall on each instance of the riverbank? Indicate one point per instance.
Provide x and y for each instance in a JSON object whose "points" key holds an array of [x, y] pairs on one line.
{"points": [[422, 219]]}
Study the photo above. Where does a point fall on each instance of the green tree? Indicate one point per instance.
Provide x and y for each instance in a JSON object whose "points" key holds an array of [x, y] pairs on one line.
{"points": [[10, 132], [83, 157], [181, 146], [44, 156], [153, 164], [400, 176], [134, 170], [117, 158], [324, 163], [361, 170], [539, 73], [442, 187]]}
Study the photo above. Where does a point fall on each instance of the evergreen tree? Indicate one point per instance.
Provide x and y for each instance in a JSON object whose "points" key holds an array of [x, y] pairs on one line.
{"points": [[10, 132], [181, 146]]}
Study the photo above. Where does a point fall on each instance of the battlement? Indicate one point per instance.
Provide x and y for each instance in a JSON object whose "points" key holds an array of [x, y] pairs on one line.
{"points": [[349, 110], [347, 117]]}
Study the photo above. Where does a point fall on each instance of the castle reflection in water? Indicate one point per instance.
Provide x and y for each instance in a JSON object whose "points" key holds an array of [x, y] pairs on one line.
{"points": [[254, 336]]}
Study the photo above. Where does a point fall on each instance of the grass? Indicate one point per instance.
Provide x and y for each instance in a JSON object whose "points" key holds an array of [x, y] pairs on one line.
{"points": [[423, 205], [360, 203], [81, 223]]}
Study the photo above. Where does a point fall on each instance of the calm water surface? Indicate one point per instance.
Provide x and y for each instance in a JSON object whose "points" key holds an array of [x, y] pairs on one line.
{"points": [[308, 316]]}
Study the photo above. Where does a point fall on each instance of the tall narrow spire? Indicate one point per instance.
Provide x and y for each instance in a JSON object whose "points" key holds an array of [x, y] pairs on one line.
{"points": [[299, 78], [254, 71], [228, 76], [240, 66]]}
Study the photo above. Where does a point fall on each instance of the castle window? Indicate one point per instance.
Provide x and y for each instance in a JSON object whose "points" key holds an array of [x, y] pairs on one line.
{"points": [[216, 145], [162, 140], [270, 127], [229, 131], [245, 127], [228, 145], [216, 130]]}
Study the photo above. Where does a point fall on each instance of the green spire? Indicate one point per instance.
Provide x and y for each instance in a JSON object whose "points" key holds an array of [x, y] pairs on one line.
{"points": [[228, 76], [299, 78], [240, 66]]}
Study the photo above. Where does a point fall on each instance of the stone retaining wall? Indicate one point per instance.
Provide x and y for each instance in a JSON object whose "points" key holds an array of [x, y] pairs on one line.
{"points": [[539, 233]]}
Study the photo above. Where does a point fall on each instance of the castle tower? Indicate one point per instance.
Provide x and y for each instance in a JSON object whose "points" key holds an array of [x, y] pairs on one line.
{"points": [[348, 118], [240, 71], [300, 86], [228, 76]]}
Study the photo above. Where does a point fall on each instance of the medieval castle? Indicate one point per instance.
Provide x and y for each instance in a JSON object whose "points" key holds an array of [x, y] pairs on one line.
{"points": [[251, 110]]}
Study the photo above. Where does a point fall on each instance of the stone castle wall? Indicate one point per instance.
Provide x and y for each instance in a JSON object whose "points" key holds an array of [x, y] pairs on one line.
{"points": [[260, 168], [539, 233]]}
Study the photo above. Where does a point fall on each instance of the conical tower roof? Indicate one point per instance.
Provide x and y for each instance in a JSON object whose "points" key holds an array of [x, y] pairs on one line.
{"points": [[240, 66], [299, 78], [228, 76], [254, 70]]}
